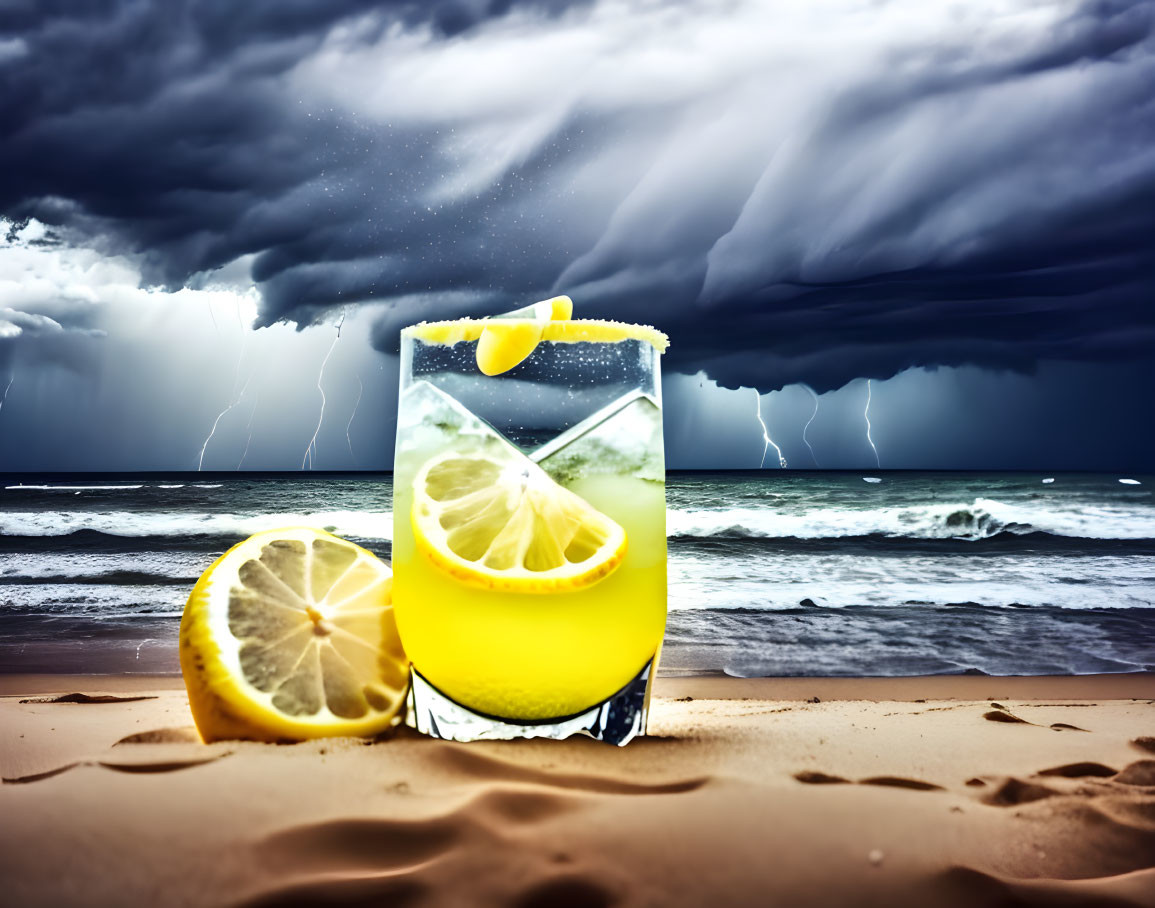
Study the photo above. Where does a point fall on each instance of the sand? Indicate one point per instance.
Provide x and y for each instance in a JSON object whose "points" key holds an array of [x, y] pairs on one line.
{"points": [[886, 792]]}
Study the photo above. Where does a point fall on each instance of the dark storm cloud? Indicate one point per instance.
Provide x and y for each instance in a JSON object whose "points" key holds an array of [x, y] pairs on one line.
{"points": [[794, 193], [41, 339], [164, 129]]}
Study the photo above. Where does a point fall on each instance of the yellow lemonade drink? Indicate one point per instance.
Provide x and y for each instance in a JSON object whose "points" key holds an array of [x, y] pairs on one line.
{"points": [[529, 548]]}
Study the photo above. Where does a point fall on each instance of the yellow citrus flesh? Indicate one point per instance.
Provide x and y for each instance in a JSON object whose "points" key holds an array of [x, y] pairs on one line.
{"points": [[560, 308], [290, 635], [507, 340], [504, 345], [499, 522]]}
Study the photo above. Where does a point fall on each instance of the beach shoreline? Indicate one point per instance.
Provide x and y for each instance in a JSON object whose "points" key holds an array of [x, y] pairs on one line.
{"points": [[715, 686], [943, 790]]}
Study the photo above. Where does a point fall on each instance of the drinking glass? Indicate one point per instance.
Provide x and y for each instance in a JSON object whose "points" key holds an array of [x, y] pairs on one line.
{"points": [[495, 652]]}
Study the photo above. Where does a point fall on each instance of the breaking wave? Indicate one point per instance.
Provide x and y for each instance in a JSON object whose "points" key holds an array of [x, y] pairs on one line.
{"points": [[982, 519], [357, 524]]}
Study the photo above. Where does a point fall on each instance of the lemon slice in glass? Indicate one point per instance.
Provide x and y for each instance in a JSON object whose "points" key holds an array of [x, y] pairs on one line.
{"points": [[507, 340], [501, 523], [290, 635]]}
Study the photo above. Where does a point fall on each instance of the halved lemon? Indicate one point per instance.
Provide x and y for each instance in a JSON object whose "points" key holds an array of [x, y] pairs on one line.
{"points": [[501, 523], [290, 635], [507, 340]]}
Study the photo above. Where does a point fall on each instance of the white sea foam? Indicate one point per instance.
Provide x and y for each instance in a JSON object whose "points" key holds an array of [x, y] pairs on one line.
{"points": [[358, 524], [63, 488], [980, 519]]}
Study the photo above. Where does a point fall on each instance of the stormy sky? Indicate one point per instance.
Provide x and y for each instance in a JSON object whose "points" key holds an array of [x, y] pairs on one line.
{"points": [[955, 202]]}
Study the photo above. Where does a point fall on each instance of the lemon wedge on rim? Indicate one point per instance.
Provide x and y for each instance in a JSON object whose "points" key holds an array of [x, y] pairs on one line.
{"points": [[501, 523], [507, 340], [290, 635]]}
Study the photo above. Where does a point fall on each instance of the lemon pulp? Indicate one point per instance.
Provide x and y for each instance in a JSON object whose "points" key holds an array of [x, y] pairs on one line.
{"points": [[500, 523], [290, 635]]}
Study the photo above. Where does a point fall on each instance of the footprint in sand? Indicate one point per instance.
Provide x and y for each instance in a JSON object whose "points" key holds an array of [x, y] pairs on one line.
{"points": [[392, 861], [1141, 772], [38, 776], [1002, 715], [968, 886], [161, 765], [570, 891], [1013, 792], [461, 760], [998, 715], [185, 735], [810, 777], [513, 806], [366, 846], [1079, 770], [86, 698], [395, 892], [364, 860], [899, 782], [377, 845], [145, 758]]}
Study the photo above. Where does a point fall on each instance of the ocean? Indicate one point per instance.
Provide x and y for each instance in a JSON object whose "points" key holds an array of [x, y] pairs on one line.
{"points": [[771, 573]]}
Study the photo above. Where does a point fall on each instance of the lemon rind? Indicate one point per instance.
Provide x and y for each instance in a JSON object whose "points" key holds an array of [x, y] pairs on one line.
{"points": [[518, 579], [223, 706], [587, 330]]}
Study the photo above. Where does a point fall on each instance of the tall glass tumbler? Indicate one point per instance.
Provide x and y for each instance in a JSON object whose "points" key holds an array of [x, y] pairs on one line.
{"points": [[529, 546]]}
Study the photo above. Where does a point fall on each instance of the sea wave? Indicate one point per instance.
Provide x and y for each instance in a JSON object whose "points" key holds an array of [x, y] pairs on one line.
{"points": [[105, 578], [357, 524], [104, 487], [983, 518], [979, 520]]}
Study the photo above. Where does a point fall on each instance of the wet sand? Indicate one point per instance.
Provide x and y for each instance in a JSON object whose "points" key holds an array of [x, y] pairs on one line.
{"points": [[916, 791]]}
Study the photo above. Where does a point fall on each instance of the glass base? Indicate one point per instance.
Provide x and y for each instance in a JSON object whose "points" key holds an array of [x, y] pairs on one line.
{"points": [[616, 720]]}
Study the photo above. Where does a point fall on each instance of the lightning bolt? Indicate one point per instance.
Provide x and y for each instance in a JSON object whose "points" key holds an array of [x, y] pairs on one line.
{"points": [[866, 416], [808, 422], [768, 442], [311, 447], [234, 399], [213, 431], [352, 416], [4, 396], [249, 440]]}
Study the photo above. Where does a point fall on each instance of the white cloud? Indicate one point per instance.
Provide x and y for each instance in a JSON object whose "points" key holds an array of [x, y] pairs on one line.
{"points": [[47, 278]]}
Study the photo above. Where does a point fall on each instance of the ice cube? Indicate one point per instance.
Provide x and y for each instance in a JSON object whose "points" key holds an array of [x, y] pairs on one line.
{"points": [[623, 439], [429, 419]]}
